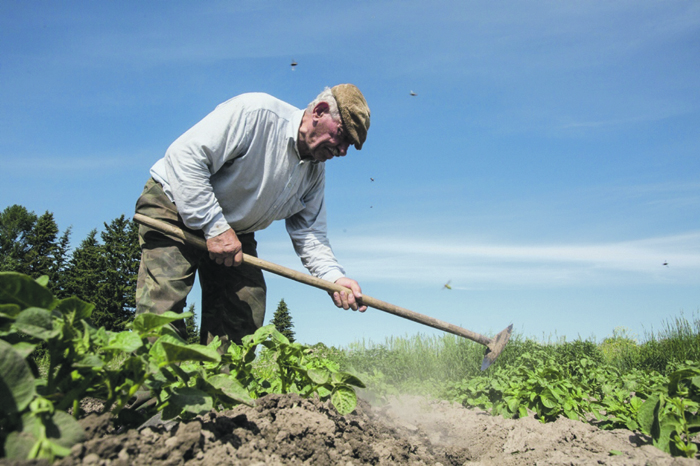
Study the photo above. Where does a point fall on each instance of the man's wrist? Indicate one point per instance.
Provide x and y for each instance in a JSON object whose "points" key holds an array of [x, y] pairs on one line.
{"points": [[333, 276], [216, 228]]}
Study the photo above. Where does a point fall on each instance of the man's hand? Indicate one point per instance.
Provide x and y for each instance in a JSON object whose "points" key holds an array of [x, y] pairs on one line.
{"points": [[226, 249], [349, 300]]}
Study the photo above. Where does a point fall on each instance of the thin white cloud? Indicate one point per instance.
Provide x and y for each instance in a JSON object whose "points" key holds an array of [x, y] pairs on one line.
{"points": [[478, 265], [395, 258]]}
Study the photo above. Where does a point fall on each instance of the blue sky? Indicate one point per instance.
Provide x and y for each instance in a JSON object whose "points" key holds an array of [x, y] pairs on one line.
{"points": [[547, 167]]}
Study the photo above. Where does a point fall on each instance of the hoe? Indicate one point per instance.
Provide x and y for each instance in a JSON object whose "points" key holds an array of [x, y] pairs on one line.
{"points": [[494, 346]]}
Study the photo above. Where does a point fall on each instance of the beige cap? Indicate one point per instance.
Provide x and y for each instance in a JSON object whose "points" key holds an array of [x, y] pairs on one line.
{"points": [[353, 111]]}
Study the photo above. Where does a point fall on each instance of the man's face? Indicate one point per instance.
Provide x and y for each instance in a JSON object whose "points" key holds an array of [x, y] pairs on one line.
{"points": [[327, 138]]}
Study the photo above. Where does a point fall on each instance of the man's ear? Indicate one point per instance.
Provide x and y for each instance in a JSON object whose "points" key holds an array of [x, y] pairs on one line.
{"points": [[320, 109]]}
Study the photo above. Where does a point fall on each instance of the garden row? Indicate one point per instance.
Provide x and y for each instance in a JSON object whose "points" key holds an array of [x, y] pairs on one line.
{"points": [[80, 361], [652, 387]]}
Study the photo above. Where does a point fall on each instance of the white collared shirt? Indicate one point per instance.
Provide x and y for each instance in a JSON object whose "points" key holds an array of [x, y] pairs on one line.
{"points": [[239, 167]]}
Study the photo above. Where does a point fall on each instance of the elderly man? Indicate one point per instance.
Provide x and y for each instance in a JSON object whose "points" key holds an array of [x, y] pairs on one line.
{"points": [[253, 160]]}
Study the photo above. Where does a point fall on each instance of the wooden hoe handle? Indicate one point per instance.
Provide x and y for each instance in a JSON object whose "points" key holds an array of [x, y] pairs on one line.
{"points": [[188, 237]]}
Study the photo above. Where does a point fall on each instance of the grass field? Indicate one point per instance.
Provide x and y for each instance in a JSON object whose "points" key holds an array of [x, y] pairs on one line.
{"points": [[425, 364]]}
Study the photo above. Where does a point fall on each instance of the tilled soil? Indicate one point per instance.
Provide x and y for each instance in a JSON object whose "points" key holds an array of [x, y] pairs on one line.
{"points": [[289, 430]]}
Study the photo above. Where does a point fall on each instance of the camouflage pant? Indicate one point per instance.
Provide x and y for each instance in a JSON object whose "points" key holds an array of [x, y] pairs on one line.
{"points": [[233, 298]]}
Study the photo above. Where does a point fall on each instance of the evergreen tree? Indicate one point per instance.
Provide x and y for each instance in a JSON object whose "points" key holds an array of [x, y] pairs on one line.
{"points": [[85, 278], [122, 256], [57, 275], [192, 336], [30, 245], [282, 320], [42, 241], [102, 274], [16, 224]]}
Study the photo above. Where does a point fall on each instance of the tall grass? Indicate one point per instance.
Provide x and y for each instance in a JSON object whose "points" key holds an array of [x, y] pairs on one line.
{"points": [[676, 342], [420, 357], [426, 363]]}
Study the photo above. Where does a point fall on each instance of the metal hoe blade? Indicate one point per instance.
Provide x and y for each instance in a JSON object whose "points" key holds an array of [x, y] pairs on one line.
{"points": [[494, 346], [497, 345]]}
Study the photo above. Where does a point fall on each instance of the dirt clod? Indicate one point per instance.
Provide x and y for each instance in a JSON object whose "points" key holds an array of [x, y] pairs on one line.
{"points": [[289, 430]]}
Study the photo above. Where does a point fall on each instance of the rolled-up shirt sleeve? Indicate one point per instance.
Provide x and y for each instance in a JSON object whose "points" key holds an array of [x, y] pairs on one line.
{"points": [[307, 230], [198, 154]]}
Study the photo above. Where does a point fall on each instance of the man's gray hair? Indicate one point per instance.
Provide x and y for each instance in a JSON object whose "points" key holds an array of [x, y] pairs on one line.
{"points": [[326, 96]]}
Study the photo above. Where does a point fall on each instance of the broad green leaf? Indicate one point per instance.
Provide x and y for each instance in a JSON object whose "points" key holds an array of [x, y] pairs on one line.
{"points": [[9, 310], [557, 394], [157, 352], [259, 336], [19, 444], [124, 341], [344, 399], [20, 289], [695, 381], [170, 411], [513, 404], [548, 402], [62, 430], [17, 386], [177, 369], [100, 336], [249, 356], [65, 430], [232, 388], [216, 343], [662, 441], [170, 330], [144, 323], [55, 450], [191, 400], [631, 425], [24, 348], [75, 309], [279, 338], [636, 403], [36, 322], [647, 414], [89, 361], [43, 280], [319, 376], [167, 374], [346, 378], [175, 353]]}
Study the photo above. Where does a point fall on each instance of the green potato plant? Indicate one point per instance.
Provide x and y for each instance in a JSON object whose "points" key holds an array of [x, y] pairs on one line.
{"points": [[670, 415], [663, 407], [292, 368], [543, 387], [185, 380]]}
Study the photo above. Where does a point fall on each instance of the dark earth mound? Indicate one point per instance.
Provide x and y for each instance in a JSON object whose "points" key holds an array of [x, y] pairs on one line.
{"points": [[289, 430]]}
